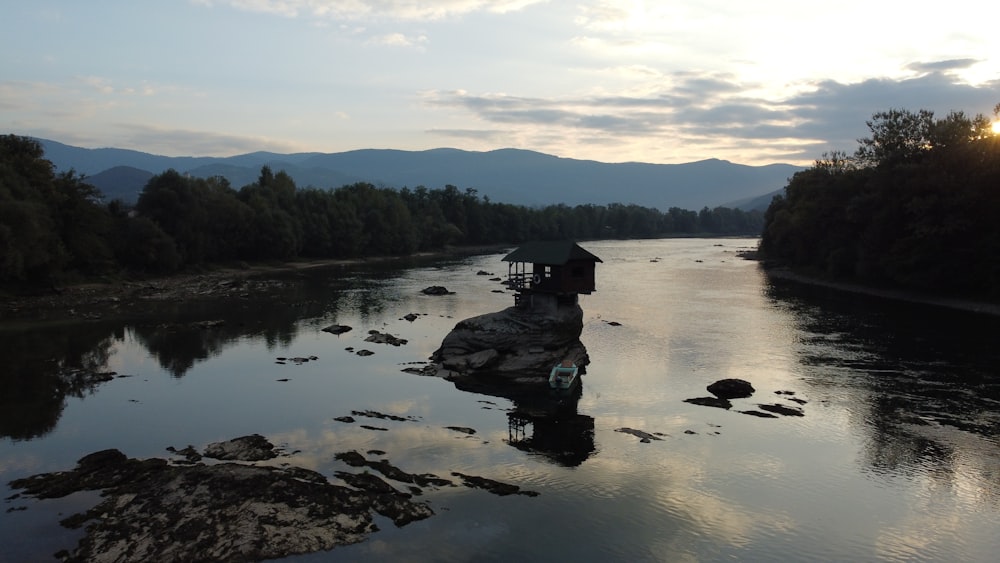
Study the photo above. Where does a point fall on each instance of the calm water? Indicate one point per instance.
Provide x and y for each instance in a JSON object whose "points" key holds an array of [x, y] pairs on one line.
{"points": [[896, 459]]}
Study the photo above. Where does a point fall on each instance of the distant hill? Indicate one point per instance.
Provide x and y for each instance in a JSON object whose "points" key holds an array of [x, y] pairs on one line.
{"points": [[760, 203], [508, 175], [120, 182]]}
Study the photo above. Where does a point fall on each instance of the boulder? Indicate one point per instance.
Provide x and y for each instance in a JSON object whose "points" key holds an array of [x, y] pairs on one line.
{"points": [[514, 343], [731, 389], [246, 448], [437, 290], [384, 338]]}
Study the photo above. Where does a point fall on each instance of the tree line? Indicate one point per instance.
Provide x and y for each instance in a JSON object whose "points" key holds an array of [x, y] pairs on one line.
{"points": [[56, 226], [916, 206]]}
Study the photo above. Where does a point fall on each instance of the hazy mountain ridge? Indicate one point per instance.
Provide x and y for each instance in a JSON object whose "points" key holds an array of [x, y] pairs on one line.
{"points": [[506, 175]]}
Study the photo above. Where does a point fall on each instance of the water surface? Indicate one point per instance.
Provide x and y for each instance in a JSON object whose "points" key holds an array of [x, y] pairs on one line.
{"points": [[896, 457]]}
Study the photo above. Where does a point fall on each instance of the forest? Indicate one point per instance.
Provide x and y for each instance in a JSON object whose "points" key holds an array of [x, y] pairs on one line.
{"points": [[56, 228], [915, 207]]}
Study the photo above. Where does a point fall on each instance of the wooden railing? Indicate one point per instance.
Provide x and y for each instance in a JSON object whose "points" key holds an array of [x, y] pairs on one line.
{"points": [[518, 281]]}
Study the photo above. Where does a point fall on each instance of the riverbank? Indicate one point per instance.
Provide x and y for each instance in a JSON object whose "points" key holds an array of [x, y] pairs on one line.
{"points": [[787, 274], [111, 297]]}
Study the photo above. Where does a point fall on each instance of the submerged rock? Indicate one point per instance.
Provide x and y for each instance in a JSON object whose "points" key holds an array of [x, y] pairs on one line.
{"points": [[782, 409], [710, 402], [496, 487], [384, 338], [644, 437]]}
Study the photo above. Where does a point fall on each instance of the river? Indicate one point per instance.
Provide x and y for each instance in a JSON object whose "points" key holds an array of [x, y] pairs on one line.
{"points": [[896, 456]]}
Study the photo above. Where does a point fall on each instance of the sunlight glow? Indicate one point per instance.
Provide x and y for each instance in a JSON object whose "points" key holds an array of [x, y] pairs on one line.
{"points": [[996, 127]]}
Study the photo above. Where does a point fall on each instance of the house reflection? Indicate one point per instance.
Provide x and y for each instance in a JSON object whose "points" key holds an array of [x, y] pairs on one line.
{"points": [[550, 426]]}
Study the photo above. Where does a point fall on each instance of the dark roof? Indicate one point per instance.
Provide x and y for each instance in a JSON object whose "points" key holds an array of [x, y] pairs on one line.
{"points": [[554, 253]]}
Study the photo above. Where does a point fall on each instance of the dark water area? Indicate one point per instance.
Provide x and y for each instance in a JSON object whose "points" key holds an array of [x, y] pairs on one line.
{"points": [[895, 457]]}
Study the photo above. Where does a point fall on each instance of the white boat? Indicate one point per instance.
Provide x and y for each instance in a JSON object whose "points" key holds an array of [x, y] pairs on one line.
{"points": [[563, 375]]}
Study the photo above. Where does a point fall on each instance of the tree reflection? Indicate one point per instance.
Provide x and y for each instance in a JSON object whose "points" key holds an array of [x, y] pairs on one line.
{"points": [[196, 332], [43, 367], [925, 376]]}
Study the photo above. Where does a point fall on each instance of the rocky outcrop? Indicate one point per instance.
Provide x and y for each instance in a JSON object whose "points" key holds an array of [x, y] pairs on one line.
{"points": [[154, 511], [246, 448], [515, 344]]}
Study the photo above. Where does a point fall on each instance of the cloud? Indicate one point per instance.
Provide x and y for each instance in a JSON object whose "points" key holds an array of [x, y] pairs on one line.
{"points": [[162, 140], [474, 134], [399, 40], [943, 66], [398, 10], [715, 110]]}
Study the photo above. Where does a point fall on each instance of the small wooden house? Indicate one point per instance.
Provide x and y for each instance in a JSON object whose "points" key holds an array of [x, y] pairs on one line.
{"points": [[550, 273]]}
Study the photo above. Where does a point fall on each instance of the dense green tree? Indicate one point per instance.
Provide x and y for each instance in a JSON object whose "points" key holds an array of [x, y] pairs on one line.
{"points": [[49, 223], [915, 207], [56, 225]]}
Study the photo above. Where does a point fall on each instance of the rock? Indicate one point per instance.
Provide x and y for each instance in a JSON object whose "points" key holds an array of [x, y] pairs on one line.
{"points": [[382, 416], [513, 343], [246, 448], [462, 429], [782, 410], [384, 338], [367, 482], [410, 317], [190, 454], [437, 290], [731, 389], [364, 353], [495, 487], [337, 329], [710, 402], [355, 459], [759, 414], [152, 511], [481, 359], [644, 437]]}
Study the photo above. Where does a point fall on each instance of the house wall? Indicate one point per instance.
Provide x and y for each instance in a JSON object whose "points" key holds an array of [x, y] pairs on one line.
{"points": [[574, 277]]}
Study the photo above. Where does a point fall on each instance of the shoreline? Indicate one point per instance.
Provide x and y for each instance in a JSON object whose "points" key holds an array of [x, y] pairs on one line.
{"points": [[785, 273], [92, 300]]}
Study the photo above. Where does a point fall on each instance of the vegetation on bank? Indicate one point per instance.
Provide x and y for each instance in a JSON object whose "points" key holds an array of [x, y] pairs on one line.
{"points": [[55, 226], [917, 206]]}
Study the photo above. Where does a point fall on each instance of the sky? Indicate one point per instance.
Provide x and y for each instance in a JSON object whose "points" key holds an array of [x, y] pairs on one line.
{"points": [[613, 81]]}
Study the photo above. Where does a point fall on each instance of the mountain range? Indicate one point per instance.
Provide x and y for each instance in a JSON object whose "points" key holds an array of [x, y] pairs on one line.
{"points": [[514, 176]]}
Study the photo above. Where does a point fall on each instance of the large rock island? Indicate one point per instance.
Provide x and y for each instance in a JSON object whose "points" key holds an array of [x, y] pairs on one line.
{"points": [[516, 344], [501, 352]]}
